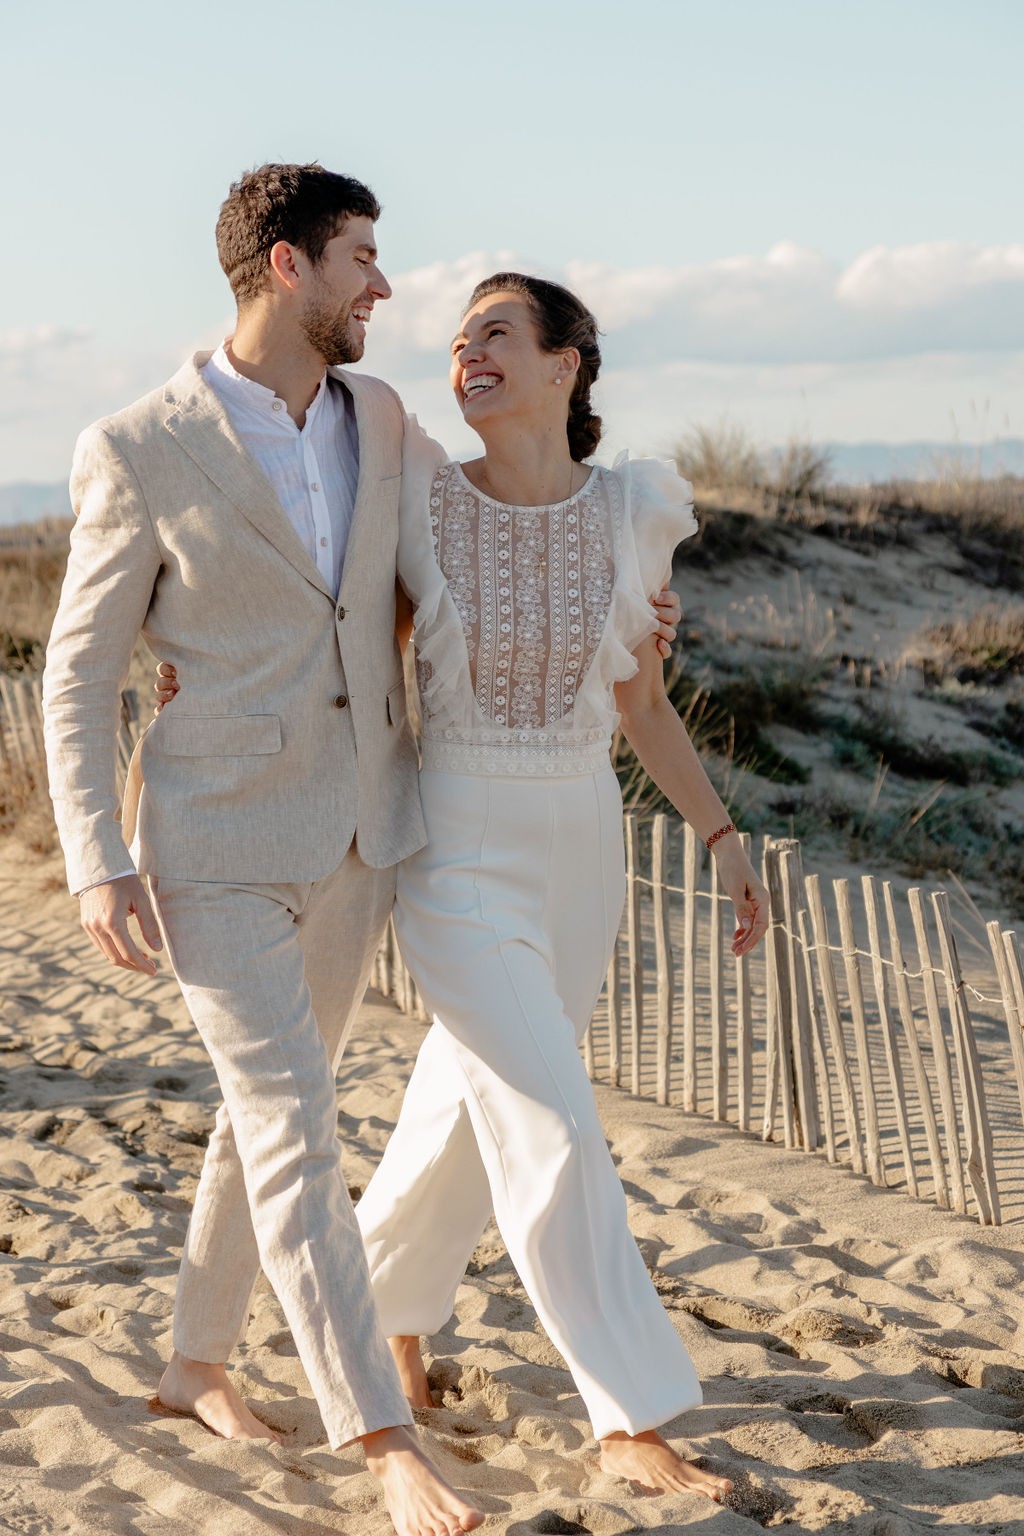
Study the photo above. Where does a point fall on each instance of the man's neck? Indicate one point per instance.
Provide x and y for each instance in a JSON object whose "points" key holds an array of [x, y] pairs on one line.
{"points": [[276, 357]]}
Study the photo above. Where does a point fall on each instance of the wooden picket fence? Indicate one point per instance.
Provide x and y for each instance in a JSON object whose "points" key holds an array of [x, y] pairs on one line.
{"points": [[866, 1049], [21, 728]]}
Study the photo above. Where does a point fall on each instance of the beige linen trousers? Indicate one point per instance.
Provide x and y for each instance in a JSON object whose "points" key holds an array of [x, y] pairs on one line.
{"points": [[278, 792]]}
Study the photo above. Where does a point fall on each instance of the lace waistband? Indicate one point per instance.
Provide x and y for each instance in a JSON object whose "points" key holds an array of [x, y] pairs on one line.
{"points": [[558, 755]]}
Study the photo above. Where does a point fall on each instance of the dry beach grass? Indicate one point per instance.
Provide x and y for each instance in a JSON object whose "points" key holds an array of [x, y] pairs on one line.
{"points": [[852, 660]]}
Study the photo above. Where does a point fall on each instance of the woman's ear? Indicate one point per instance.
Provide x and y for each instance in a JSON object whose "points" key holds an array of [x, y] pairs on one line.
{"points": [[568, 364]]}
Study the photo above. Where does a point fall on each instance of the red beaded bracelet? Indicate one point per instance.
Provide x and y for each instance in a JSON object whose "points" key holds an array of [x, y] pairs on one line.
{"points": [[730, 826]]}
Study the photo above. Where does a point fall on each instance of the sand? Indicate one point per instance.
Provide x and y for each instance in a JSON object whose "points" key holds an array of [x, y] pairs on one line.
{"points": [[861, 1353]]}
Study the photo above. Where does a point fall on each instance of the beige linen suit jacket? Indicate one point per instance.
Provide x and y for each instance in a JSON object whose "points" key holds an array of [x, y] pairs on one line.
{"points": [[257, 772]]}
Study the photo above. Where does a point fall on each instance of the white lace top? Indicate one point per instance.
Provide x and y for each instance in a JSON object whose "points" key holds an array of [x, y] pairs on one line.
{"points": [[526, 617]]}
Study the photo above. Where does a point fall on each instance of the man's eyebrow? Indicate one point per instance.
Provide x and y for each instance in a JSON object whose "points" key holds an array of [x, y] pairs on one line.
{"points": [[371, 250]]}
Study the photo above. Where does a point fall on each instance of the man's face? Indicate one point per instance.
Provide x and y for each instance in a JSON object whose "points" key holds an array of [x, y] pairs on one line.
{"points": [[343, 288]]}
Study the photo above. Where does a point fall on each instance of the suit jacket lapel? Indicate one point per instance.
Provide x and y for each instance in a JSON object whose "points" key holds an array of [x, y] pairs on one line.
{"points": [[200, 425], [368, 536]]}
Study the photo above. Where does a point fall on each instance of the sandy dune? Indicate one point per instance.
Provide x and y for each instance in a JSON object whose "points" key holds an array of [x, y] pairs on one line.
{"points": [[863, 1355]]}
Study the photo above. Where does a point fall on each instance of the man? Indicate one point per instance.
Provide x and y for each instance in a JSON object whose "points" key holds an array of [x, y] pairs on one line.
{"points": [[244, 520]]}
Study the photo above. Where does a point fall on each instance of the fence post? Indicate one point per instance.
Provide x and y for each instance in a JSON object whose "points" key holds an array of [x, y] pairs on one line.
{"points": [[876, 1167], [803, 1060], [744, 1042], [719, 1043], [386, 960], [980, 1156], [924, 1091], [690, 873], [830, 998], [8, 696], [771, 1044], [419, 1007], [129, 729], [818, 1037], [1013, 995], [892, 1058], [614, 989], [634, 937], [940, 1053], [783, 989], [663, 954]]}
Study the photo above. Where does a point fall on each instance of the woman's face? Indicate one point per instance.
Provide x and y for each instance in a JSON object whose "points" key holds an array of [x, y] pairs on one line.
{"points": [[499, 368]]}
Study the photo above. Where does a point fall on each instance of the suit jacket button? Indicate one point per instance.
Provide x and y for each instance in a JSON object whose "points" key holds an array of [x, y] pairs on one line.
{"points": [[341, 612], [341, 701]]}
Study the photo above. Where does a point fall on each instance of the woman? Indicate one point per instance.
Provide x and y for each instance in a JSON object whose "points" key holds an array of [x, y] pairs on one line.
{"points": [[527, 571]]}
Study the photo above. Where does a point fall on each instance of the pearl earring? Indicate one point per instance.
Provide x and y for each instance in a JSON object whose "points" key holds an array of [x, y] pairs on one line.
{"points": [[558, 381]]}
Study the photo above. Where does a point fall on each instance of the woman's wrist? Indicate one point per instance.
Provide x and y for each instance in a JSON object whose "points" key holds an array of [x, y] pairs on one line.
{"points": [[724, 834]]}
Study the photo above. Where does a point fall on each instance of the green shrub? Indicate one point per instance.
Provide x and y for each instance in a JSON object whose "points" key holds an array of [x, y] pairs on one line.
{"points": [[874, 733]]}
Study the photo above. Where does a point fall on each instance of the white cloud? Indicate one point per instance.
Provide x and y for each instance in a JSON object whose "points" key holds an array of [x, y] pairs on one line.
{"points": [[30, 341], [53, 382], [915, 277], [903, 342], [411, 332], [938, 397], [787, 306]]}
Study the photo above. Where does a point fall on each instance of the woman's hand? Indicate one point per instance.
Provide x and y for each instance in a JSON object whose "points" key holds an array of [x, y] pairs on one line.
{"points": [[166, 685], [669, 611], [739, 880]]}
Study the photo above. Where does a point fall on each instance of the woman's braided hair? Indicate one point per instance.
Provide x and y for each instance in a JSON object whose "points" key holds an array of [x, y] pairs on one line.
{"points": [[562, 321]]}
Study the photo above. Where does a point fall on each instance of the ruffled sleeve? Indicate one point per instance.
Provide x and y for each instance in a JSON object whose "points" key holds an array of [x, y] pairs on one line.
{"points": [[441, 656], [658, 517], [422, 457], [661, 513]]}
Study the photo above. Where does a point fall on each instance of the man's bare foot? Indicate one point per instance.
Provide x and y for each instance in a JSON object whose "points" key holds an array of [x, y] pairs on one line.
{"points": [[649, 1460], [419, 1500], [193, 1386], [411, 1371]]}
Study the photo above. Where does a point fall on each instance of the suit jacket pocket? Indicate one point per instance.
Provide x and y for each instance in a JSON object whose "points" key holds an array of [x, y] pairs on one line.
{"points": [[396, 704], [216, 735]]}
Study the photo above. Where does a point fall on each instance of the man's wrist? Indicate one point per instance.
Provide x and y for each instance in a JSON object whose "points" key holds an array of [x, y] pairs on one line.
{"points": [[123, 874]]}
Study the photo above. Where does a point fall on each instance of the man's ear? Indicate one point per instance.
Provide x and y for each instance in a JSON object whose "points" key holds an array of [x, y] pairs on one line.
{"points": [[284, 265]]}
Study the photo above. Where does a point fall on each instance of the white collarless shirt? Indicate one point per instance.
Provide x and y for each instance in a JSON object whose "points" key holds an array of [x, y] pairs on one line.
{"points": [[314, 472]]}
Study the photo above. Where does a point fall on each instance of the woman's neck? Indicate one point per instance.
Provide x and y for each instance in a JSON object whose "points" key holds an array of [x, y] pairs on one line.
{"points": [[526, 469]]}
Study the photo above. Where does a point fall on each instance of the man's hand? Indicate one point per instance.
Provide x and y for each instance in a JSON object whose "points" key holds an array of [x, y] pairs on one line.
{"points": [[669, 611], [105, 910]]}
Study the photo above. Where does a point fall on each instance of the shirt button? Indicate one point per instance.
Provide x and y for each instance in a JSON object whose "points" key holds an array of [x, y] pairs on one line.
{"points": [[277, 406], [341, 612], [314, 486], [341, 701], [323, 543]]}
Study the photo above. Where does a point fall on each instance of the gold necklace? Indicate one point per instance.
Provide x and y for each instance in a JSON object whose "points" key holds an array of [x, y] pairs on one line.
{"points": [[484, 476]]}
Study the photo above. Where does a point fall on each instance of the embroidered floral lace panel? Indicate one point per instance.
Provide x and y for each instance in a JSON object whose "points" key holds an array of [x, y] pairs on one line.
{"points": [[532, 587]]}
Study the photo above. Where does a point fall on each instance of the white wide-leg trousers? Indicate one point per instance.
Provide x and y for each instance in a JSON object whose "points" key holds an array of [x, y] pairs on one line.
{"points": [[273, 976], [507, 919]]}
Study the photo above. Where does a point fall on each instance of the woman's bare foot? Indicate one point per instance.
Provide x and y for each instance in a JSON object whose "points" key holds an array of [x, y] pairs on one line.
{"points": [[419, 1500], [193, 1386], [411, 1371], [649, 1460]]}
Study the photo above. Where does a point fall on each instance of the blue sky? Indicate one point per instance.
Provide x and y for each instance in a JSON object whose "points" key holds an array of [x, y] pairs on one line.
{"points": [[803, 216]]}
